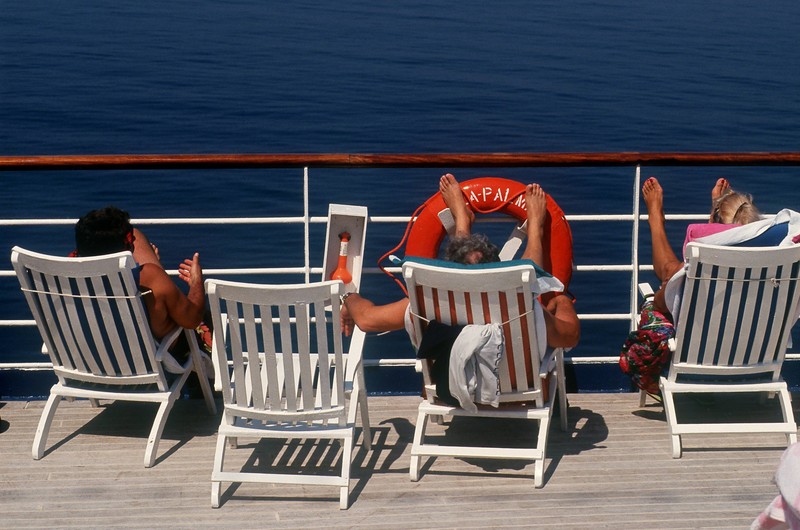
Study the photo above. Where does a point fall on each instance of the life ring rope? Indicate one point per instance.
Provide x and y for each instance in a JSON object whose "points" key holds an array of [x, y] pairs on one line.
{"points": [[399, 246]]}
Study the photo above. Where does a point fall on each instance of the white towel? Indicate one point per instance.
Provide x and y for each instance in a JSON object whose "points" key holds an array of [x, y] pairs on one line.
{"points": [[474, 358]]}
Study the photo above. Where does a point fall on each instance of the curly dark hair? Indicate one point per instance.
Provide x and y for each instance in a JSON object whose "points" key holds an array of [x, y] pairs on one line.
{"points": [[460, 249], [103, 231]]}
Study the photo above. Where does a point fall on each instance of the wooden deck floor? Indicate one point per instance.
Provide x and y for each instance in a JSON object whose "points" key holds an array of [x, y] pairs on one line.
{"points": [[612, 469]]}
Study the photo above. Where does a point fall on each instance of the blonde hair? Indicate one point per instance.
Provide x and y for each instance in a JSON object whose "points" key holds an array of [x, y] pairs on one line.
{"points": [[733, 207]]}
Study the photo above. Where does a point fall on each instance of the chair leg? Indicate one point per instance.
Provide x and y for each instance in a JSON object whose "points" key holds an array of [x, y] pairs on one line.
{"points": [[788, 415], [419, 435], [358, 398], [216, 485], [642, 398], [43, 429], [200, 369], [347, 456], [562, 393], [538, 468], [362, 398], [672, 420], [155, 432], [538, 473], [208, 395], [676, 446]]}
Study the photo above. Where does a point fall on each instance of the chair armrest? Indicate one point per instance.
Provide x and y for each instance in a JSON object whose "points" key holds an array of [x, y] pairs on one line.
{"points": [[549, 363], [163, 355]]}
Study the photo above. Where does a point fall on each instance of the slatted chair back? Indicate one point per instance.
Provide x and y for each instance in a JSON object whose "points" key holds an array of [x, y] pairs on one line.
{"points": [[284, 347], [90, 314], [737, 311], [482, 296]]}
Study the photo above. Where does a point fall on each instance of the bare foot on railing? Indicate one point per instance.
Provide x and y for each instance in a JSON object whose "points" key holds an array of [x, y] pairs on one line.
{"points": [[719, 188], [454, 199]]}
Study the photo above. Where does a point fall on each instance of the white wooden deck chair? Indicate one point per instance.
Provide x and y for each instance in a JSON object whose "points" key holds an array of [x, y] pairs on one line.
{"points": [[91, 317], [500, 294], [286, 376], [737, 310]]}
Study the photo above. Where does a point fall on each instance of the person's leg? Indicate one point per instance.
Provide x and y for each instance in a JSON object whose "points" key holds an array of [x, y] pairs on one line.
{"points": [[722, 187], [665, 262], [536, 206], [454, 199]]}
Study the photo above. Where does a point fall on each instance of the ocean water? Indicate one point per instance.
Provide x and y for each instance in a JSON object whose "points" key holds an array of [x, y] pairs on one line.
{"points": [[248, 76]]}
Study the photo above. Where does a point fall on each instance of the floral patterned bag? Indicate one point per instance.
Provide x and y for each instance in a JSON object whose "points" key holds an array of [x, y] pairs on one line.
{"points": [[646, 352]]}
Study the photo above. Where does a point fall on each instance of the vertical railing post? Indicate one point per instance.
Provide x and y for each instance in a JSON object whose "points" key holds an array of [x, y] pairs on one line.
{"points": [[306, 227], [635, 248]]}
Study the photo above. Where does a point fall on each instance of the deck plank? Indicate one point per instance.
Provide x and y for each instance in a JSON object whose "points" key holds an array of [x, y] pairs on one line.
{"points": [[612, 469]]}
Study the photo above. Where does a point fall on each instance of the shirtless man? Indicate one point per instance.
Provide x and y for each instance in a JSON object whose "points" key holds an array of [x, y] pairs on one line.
{"points": [[727, 207], [109, 230], [561, 320]]}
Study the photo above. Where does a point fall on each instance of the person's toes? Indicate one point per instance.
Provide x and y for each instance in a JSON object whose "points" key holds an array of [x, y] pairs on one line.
{"points": [[719, 189]]}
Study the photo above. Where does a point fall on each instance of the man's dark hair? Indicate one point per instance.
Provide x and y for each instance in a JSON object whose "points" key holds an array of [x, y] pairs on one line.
{"points": [[103, 231], [459, 249]]}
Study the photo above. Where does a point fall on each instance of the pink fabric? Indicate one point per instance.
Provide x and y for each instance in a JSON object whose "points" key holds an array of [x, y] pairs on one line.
{"points": [[784, 511], [697, 230]]}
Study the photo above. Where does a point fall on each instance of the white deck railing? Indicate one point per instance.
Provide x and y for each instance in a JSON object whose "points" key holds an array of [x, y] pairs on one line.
{"points": [[634, 160]]}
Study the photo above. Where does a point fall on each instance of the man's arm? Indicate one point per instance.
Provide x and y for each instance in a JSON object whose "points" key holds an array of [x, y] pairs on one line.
{"points": [[370, 317], [143, 250], [169, 305], [561, 322]]}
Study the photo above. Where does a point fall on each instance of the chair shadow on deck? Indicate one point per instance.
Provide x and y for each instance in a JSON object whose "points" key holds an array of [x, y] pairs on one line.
{"points": [[4, 425], [722, 408], [131, 419], [585, 431], [322, 457]]}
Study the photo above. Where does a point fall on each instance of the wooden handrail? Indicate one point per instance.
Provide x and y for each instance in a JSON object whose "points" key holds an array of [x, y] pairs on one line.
{"points": [[338, 160]]}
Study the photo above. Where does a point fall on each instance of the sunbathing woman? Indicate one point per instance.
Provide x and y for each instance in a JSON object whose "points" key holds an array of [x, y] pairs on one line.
{"points": [[727, 207]]}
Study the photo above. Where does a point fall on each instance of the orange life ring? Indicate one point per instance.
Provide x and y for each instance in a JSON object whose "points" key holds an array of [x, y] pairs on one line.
{"points": [[493, 194]]}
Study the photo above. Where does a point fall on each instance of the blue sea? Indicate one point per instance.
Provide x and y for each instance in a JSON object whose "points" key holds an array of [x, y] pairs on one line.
{"points": [[255, 76]]}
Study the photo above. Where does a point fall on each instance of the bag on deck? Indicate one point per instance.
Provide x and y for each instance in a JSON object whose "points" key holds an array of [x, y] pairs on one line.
{"points": [[646, 352]]}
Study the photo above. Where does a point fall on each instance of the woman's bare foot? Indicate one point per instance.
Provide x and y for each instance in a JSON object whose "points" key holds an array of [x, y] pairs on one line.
{"points": [[454, 199], [665, 262], [719, 189], [536, 208], [653, 196]]}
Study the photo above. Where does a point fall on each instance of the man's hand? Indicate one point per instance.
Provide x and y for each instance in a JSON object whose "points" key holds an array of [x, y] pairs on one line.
{"points": [[346, 320], [554, 303], [190, 271]]}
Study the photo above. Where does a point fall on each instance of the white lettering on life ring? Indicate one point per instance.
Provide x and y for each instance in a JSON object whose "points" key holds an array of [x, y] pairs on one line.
{"points": [[497, 195]]}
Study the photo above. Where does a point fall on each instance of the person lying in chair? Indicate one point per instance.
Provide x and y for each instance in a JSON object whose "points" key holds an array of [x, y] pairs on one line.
{"points": [[728, 207], [646, 352], [561, 320], [108, 230]]}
